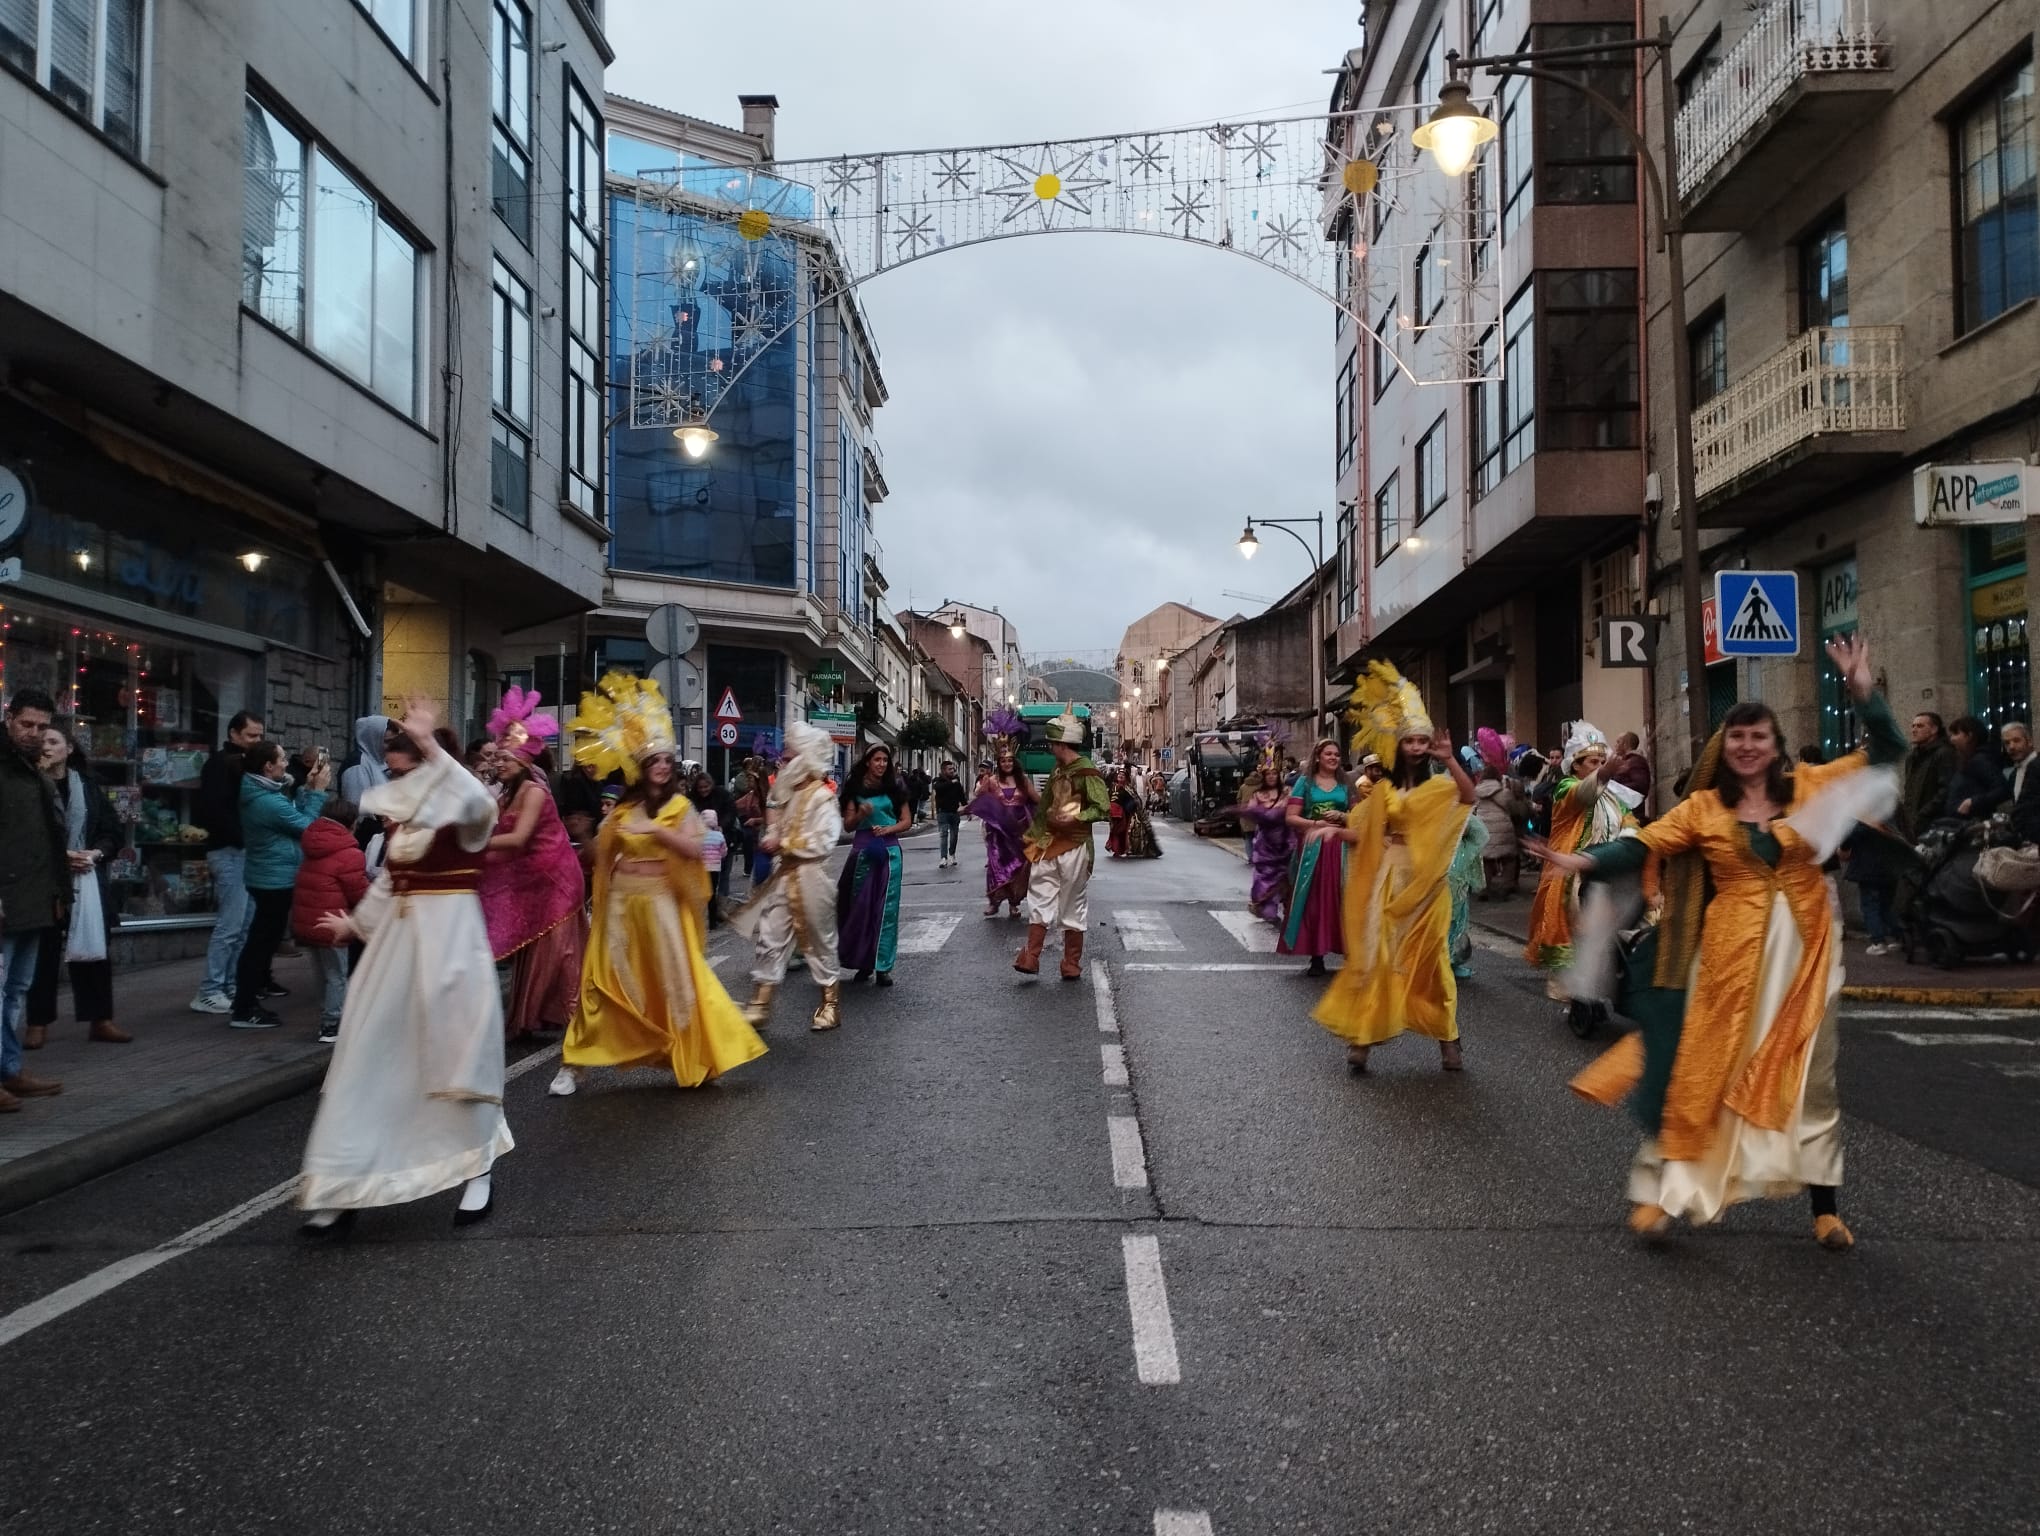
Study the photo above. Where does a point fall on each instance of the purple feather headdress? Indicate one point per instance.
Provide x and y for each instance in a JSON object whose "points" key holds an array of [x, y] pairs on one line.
{"points": [[517, 725], [1005, 724]]}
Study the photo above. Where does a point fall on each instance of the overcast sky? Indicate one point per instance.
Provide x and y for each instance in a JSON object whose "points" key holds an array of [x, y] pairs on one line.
{"points": [[1077, 427]]}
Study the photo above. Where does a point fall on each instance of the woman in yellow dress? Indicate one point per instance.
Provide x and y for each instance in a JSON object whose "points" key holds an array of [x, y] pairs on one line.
{"points": [[1732, 1074], [1398, 903], [648, 997]]}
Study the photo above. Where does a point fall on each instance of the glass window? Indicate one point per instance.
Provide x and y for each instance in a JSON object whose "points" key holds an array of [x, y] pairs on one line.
{"points": [[1589, 389], [85, 53], [1824, 275], [146, 709], [1384, 359], [1487, 15], [509, 471], [583, 455], [273, 227], [1517, 161], [397, 21], [1342, 277], [1519, 379], [1427, 280], [362, 290], [1484, 420], [510, 394], [1704, 64], [510, 101], [1480, 212], [1344, 423], [1708, 341], [1347, 585], [1430, 473], [1387, 518], [1584, 156], [1999, 208], [1430, 70]]}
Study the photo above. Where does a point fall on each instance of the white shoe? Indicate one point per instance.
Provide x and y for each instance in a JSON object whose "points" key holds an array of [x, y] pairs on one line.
{"points": [[563, 1084], [1877, 949], [212, 1002]]}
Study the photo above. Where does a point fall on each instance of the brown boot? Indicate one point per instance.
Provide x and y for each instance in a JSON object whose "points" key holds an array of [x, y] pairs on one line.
{"points": [[106, 1032], [9, 1104], [1029, 961], [1073, 954], [24, 1086]]}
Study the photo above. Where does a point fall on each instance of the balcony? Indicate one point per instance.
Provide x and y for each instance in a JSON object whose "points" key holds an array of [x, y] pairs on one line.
{"points": [[1785, 95], [1826, 409], [874, 473]]}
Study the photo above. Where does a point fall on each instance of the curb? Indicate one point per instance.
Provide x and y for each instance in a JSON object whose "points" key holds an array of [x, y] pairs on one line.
{"points": [[69, 1164]]}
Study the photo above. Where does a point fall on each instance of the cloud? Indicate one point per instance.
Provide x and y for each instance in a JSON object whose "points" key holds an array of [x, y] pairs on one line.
{"points": [[1077, 428]]}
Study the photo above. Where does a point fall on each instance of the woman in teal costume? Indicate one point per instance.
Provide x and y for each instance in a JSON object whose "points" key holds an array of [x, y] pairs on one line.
{"points": [[875, 807]]}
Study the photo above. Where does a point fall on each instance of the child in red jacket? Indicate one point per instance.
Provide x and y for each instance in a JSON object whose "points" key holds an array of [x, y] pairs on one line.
{"points": [[332, 878]]}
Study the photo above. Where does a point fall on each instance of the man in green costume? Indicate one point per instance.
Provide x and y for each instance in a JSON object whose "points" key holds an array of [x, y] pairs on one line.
{"points": [[1058, 845]]}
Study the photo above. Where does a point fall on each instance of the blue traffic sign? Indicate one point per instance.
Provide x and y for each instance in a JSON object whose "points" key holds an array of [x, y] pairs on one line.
{"points": [[1759, 612]]}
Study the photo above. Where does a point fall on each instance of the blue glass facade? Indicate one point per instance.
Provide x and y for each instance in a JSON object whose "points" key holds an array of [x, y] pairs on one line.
{"points": [[733, 515], [850, 522]]}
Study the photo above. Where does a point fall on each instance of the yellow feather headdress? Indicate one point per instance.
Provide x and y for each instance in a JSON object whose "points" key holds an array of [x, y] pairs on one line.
{"points": [[1385, 708], [621, 724]]}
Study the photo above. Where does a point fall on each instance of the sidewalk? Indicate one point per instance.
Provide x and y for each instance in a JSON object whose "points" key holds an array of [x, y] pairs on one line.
{"points": [[184, 1074], [1871, 978]]}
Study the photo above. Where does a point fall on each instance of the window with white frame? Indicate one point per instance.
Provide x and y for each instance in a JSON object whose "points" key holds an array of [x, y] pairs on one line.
{"points": [[322, 261], [510, 110], [583, 342], [510, 393], [1430, 473], [87, 54], [1998, 199], [399, 21]]}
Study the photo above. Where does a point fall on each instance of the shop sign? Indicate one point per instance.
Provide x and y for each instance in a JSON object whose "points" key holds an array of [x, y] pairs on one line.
{"points": [[2000, 600], [1838, 597], [841, 724], [825, 678], [13, 512], [1951, 495], [1710, 633]]}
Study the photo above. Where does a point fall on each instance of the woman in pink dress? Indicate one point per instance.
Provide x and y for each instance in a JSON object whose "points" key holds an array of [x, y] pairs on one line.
{"points": [[532, 889]]}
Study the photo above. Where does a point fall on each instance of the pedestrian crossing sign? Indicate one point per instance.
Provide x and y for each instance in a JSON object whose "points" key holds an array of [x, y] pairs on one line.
{"points": [[1759, 612]]}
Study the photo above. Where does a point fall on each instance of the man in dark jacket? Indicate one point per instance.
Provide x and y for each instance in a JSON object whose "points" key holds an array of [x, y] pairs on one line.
{"points": [[1923, 781], [219, 812], [1978, 786], [2022, 780], [35, 883]]}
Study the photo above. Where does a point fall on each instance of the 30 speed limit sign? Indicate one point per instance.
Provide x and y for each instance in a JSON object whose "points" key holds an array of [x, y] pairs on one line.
{"points": [[726, 733]]}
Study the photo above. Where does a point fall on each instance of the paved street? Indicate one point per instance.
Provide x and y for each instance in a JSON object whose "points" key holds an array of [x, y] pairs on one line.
{"points": [[1029, 1257]]}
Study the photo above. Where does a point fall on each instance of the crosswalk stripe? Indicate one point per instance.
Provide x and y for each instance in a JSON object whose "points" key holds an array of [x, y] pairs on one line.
{"points": [[1145, 928], [926, 935], [1255, 936]]}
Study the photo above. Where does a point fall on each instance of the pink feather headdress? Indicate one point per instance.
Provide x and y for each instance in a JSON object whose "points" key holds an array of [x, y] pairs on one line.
{"points": [[517, 725], [1494, 748]]}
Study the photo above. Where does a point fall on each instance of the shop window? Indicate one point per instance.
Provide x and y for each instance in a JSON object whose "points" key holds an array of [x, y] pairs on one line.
{"points": [[1708, 342], [510, 103], [339, 243], [1387, 518], [85, 53], [1998, 199], [147, 709], [1835, 588], [1589, 391], [1583, 156], [2000, 678], [1430, 473]]}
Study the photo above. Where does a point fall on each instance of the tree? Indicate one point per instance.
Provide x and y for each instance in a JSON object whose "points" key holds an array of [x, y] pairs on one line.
{"points": [[925, 732]]}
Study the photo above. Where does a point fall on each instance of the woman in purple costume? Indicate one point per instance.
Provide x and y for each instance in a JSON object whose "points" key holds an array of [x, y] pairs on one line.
{"points": [[1265, 813], [1004, 805]]}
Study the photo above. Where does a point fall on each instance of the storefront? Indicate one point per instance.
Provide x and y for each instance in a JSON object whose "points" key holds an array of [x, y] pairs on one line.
{"points": [[2000, 671], [1835, 592], [151, 616]]}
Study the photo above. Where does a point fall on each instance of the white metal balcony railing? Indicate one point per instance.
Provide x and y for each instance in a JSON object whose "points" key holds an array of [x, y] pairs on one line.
{"points": [[1832, 379], [1786, 40]]}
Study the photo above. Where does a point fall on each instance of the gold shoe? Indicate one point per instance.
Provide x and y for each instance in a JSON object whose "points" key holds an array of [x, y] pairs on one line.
{"points": [[1829, 1232], [1649, 1221], [759, 1008], [830, 1014]]}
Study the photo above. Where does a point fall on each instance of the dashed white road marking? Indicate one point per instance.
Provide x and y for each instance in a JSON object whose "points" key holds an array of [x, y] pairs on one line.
{"points": [[69, 1298], [1255, 936], [1182, 1522], [2018, 1068], [1113, 1057], [1129, 1152], [1219, 965], [1101, 994], [1937, 1015], [1147, 1298], [1145, 928], [926, 935], [1908, 1037]]}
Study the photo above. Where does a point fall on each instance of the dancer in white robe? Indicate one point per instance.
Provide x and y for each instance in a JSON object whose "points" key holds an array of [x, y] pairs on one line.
{"points": [[413, 1099]]}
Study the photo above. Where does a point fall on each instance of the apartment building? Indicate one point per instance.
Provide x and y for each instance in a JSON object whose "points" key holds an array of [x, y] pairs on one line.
{"points": [[256, 262], [1863, 289], [767, 538], [1483, 529]]}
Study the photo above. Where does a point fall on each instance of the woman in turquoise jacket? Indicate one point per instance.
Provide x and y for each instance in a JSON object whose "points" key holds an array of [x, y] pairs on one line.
{"points": [[272, 822]]}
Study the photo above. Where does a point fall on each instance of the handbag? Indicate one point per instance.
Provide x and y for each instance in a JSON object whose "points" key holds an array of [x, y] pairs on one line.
{"points": [[2009, 870], [86, 939]]}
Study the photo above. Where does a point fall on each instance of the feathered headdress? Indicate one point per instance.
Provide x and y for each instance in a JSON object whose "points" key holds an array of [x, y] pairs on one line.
{"points": [[621, 724], [1385, 708], [1585, 737], [1497, 750], [1005, 726], [517, 726]]}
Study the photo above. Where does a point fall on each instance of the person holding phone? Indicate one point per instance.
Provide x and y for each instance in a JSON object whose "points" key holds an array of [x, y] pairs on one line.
{"points": [[273, 823]]}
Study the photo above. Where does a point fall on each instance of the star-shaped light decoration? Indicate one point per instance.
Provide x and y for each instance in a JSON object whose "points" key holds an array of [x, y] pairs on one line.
{"points": [[953, 171], [662, 402], [1284, 236], [1059, 177], [1146, 158], [915, 233], [747, 330], [846, 178], [1187, 211], [1261, 141]]}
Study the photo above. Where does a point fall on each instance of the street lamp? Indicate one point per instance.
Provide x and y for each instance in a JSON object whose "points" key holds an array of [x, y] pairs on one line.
{"points": [[1249, 542], [695, 433], [1457, 129]]}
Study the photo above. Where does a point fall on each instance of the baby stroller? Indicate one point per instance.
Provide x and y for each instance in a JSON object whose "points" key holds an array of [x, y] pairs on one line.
{"points": [[1952, 914]]}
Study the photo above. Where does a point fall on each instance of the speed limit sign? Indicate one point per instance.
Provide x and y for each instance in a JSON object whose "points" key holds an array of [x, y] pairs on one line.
{"points": [[726, 733]]}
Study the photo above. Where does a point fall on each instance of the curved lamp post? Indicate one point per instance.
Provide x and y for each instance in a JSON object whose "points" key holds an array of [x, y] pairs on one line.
{"points": [[1249, 542]]}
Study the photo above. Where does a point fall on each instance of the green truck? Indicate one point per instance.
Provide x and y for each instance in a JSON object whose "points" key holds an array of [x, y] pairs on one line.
{"points": [[1035, 758]]}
